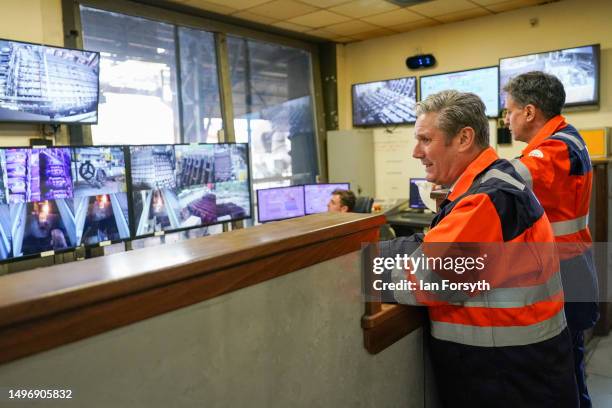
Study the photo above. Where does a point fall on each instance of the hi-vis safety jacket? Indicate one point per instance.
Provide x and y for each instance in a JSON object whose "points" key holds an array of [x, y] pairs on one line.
{"points": [[490, 204], [557, 167]]}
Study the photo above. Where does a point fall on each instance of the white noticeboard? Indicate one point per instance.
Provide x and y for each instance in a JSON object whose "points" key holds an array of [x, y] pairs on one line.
{"points": [[394, 164]]}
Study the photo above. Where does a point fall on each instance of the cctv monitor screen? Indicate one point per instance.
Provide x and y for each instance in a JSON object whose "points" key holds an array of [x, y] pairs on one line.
{"points": [[186, 186], [415, 200], [38, 174], [384, 103], [100, 194], [45, 84], [577, 68], [280, 203], [37, 197], [318, 195], [481, 81]]}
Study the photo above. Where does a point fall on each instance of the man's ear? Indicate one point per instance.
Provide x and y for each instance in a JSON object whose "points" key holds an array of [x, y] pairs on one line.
{"points": [[467, 138], [530, 112], [344, 208]]}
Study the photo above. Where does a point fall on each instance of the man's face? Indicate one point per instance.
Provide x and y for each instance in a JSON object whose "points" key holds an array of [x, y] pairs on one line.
{"points": [[335, 205], [516, 120], [431, 148]]}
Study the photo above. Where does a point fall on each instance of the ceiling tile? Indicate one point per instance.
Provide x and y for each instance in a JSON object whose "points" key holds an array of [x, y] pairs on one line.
{"points": [[319, 19], [351, 27], [440, 7], [511, 5], [291, 27], [487, 2], [325, 3], [362, 8], [215, 8], [237, 4], [381, 32], [464, 15], [393, 18], [426, 22], [323, 34], [282, 9], [344, 39], [247, 15]]}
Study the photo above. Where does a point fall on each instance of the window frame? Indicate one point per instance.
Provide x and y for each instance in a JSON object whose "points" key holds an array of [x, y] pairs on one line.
{"points": [[169, 14]]}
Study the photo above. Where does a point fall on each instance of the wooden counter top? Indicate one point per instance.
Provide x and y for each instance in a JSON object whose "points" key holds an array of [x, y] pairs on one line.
{"points": [[47, 307]]}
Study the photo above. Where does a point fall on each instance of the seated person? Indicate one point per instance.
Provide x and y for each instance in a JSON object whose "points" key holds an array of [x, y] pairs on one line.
{"points": [[341, 201]]}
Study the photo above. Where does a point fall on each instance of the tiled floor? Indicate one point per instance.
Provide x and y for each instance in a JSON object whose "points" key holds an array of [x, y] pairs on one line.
{"points": [[599, 371]]}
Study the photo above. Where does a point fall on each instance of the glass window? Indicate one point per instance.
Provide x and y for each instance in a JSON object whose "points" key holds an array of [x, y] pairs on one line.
{"points": [[138, 83], [273, 111], [199, 86]]}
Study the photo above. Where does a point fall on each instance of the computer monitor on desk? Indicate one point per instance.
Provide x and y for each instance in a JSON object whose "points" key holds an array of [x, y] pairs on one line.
{"points": [[317, 196], [415, 201]]}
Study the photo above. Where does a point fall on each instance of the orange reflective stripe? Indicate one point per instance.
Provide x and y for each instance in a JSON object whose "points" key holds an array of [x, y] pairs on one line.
{"points": [[485, 316]]}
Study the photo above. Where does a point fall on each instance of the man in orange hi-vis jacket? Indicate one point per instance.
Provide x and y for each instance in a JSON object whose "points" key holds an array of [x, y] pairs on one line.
{"points": [[507, 346], [556, 166]]}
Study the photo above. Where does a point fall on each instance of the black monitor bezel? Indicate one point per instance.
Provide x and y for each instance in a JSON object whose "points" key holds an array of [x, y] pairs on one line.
{"points": [[169, 231], [371, 125], [276, 188], [61, 122], [597, 57], [461, 71]]}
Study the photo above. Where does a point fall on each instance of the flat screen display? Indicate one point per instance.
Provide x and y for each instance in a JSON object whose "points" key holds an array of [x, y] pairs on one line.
{"points": [[45, 84], [577, 68], [36, 202], [481, 81], [318, 195], [384, 103], [415, 200], [100, 194], [280, 203], [186, 186]]}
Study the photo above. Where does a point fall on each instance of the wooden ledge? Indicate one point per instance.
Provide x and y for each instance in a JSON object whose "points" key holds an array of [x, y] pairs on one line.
{"points": [[47, 307], [389, 324]]}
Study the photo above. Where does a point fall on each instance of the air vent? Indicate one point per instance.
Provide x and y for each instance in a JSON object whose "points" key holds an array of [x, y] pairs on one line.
{"points": [[408, 3]]}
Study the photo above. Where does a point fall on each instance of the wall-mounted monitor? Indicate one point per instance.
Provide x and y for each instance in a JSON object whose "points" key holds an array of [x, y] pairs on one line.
{"points": [[44, 84], [280, 203], [577, 68], [481, 81], [317, 196], [100, 194], [177, 187], [384, 103]]}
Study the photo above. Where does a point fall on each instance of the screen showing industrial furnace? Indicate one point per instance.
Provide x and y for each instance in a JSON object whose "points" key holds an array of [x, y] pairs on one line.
{"points": [[100, 194]]}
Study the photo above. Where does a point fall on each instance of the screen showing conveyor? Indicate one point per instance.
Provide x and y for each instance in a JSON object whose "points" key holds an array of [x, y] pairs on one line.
{"points": [[177, 187], [384, 103], [45, 84]]}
